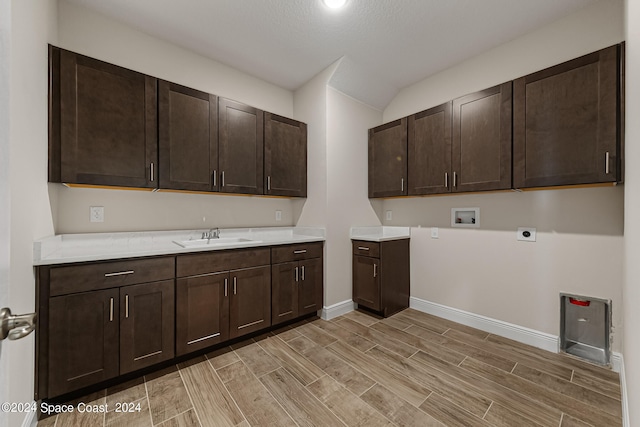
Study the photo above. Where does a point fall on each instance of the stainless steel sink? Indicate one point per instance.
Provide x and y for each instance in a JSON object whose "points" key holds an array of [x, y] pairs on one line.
{"points": [[231, 241]]}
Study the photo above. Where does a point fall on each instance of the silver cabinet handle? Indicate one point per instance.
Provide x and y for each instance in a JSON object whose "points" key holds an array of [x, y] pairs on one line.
{"points": [[119, 273], [268, 182], [446, 179], [606, 163], [362, 248], [375, 270], [126, 306], [151, 174], [214, 177], [300, 251], [401, 184], [235, 285], [302, 272], [222, 180], [455, 179], [110, 309], [296, 273], [226, 283]]}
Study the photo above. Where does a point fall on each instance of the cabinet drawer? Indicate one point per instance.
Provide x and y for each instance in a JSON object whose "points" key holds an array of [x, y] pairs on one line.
{"points": [[211, 262], [105, 275], [364, 248], [295, 252]]}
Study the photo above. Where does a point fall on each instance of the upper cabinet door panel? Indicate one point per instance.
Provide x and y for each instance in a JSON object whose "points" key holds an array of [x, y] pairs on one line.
{"points": [[285, 156], [108, 128], [241, 147], [481, 154], [429, 140], [188, 138], [388, 159], [566, 123]]}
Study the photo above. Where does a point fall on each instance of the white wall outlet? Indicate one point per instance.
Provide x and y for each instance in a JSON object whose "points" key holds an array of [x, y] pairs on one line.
{"points": [[278, 215], [527, 234], [389, 215], [434, 233], [96, 213]]}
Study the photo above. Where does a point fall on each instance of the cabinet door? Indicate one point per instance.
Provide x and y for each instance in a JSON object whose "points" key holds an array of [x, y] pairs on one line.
{"points": [[429, 155], [285, 156], [83, 340], [188, 138], [202, 312], [566, 123], [388, 159], [284, 292], [250, 301], [240, 149], [310, 286], [366, 281], [108, 124], [481, 154], [146, 325]]}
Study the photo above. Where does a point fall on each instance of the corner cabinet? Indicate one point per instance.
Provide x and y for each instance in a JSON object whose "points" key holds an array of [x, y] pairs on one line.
{"points": [[381, 275], [188, 138], [388, 159], [296, 281], [103, 123], [285, 156], [567, 122]]}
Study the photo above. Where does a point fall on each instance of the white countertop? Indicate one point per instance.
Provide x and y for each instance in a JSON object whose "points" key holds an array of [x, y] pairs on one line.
{"points": [[67, 248], [380, 233]]}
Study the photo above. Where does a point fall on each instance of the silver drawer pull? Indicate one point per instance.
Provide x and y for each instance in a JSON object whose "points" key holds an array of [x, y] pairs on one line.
{"points": [[111, 310], [119, 273], [375, 270], [362, 248], [302, 272], [296, 271], [126, 306], [301, 251], [606, 163]]}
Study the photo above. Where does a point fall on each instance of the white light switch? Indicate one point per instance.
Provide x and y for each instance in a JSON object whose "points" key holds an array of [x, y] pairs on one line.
{"points": [[389, 215], [96, 213], [278, 215], [434, 233]]}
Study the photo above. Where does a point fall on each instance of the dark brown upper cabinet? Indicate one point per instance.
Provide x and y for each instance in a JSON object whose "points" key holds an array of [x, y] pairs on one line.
{"points": [[388, 159], [188, 138], [103, 123], [566, 123], [429, 141], [285, 156], [241, 145], [481, 147]]}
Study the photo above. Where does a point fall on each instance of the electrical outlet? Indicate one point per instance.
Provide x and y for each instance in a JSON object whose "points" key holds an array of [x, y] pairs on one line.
{"points": [[435, 233], [278, 215], [526, 234], [389, 215], [96, 213]]}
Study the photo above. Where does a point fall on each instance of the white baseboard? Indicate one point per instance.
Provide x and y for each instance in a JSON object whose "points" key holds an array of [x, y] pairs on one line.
{"points": [[30, 420], [508, 330], [623, 390], [338, 309]]}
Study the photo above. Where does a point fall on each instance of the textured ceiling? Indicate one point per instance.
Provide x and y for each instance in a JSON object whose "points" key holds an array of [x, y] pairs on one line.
{"points": [[387, 44]]}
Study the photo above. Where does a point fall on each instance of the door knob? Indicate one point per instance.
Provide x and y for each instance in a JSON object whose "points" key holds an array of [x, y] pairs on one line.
{"points": [[16, 326]]}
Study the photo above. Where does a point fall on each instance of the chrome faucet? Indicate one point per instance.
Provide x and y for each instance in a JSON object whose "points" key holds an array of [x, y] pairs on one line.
{"points": [[213, 233]]}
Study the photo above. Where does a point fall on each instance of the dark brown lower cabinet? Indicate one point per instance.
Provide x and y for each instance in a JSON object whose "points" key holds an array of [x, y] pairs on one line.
{"points": [[83, 340], [146, 325], [296, 281], [381, 275], [202, 311], [250, 300]]}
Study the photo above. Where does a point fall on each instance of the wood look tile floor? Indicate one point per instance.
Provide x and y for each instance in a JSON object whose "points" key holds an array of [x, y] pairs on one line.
{"points": [[412, 369]]}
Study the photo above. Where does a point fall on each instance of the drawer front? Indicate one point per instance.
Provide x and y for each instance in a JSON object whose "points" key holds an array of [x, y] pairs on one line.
{"points": [[105, 275], [364, 248], [295, 252], [212, 262]]}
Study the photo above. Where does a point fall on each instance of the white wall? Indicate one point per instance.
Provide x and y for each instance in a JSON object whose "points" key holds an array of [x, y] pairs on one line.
{"points": [[579, 247], [348, 205], [631, 288], [89, 33], [33, 25]]}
